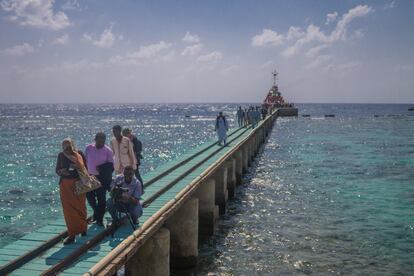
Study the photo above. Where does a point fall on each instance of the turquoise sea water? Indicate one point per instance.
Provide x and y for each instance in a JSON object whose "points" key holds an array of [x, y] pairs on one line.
{"points": [[330, 196], [326, 196]]}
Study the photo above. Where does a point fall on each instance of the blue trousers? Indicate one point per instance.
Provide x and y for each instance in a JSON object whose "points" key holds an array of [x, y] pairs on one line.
{"points": [[135, 211]]}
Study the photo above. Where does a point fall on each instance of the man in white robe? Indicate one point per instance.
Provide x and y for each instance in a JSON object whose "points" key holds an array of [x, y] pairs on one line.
{"points": [[123, 150], [221, 128]]}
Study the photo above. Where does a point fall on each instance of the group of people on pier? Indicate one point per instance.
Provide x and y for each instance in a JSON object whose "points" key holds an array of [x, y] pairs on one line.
{"points": [[251, 115], [247, 116], [123, 157]]}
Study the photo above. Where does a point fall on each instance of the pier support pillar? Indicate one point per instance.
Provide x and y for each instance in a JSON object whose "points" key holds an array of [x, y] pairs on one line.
{"points": [[239, 166], [153, 257], [206, 195], [245, 158], [183, 226], [251, 152], [220, 177], [231, 176]]}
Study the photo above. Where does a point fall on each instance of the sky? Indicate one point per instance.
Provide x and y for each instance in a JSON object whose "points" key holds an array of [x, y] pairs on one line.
{"points": [[131, 51]]}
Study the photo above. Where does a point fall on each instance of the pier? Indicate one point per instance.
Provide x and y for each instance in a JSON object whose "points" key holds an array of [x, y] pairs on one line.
{"points": [[182, 201]]}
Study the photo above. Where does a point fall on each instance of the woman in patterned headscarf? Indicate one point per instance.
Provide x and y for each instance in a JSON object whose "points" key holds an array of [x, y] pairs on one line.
{"points": [[74, 206]]}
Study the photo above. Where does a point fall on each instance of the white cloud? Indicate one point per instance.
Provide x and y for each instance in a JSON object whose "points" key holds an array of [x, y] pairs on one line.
{"points": [[19, 50], [191, 38], [192, 50], [106, 39], [314, 34], [390, 5], [313, 52], [319, 61], [331, 17], [71, 5], [230, 69], [267, 38], [268, 64], [152, 52], [340, 30], [344, 67], [294, 32], [408, 68], [35, 13], [211, 58], [62, 40]]}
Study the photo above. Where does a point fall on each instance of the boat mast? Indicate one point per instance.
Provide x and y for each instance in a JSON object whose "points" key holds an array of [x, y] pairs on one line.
{"points": [[274, 73]]}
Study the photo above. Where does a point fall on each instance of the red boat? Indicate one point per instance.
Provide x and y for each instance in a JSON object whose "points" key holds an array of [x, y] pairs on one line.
{"points": [[274, 100]]}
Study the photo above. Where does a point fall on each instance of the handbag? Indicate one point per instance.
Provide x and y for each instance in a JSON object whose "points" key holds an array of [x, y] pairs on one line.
{"points": [[86, 183]]}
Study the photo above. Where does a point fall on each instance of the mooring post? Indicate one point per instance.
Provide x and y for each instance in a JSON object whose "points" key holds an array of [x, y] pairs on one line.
{"points": [[153, 257], [220, 177], [231, 176], [183, 226], [206, 194], [239, 166]]}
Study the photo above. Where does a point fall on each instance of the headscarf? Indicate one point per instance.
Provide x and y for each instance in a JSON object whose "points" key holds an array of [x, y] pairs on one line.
{"points": [[72, 144]]}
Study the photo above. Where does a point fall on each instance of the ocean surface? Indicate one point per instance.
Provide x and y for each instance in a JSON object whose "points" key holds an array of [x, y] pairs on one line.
{"points": [[326, 196]]}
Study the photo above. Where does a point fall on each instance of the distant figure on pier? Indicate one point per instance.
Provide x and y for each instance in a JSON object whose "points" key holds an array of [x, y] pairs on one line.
{"points": [[74, 206], [240, 116], [123, 151], [264, 112], [128, 200], [258, 114], [251, 116], [100, 162], [138, 152], [246, 117], [221, 128]]}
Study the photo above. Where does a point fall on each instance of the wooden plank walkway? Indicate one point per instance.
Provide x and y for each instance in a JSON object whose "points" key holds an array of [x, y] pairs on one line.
{"points": [[58, 252]]}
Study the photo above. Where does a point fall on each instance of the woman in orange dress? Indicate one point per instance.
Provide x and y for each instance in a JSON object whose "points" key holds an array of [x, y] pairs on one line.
{"points": [[74, 206]]}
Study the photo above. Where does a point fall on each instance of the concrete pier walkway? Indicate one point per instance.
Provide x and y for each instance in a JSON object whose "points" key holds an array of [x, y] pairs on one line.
{"points": [[182, 200]]}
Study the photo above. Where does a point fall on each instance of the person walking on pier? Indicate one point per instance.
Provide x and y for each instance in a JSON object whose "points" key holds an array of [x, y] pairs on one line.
{"points": [[123, 151], [221, 128], [240, 116], [137, 146], [264, 112], [128, 200], [68, 163], [250, 116], [100, 162]]}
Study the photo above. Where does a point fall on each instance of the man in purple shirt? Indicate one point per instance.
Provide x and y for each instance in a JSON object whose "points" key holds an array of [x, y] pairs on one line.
{"points": [[99, 160]]}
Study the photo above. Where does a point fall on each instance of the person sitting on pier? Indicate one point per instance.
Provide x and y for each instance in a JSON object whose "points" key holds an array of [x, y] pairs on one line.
{"points": [[240, 116], [73, 205], [100, 161], [137, 150], [123, 151], [127, 201], [221, 128]]}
